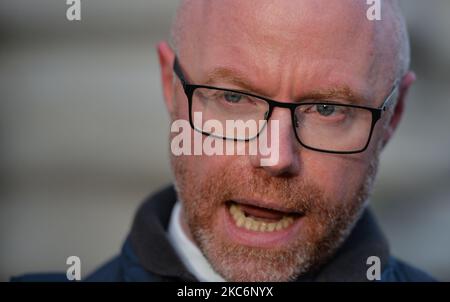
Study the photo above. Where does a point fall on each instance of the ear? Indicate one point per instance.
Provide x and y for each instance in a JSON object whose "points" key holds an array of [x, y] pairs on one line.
{"points": [[393, 123], [166, 57]]}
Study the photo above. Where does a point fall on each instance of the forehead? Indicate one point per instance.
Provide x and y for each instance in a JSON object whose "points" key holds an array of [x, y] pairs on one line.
{"points": [[307, 40]]}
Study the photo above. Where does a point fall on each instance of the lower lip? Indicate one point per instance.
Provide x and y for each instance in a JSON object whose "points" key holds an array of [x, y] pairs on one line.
{"points": [[259, 239]]}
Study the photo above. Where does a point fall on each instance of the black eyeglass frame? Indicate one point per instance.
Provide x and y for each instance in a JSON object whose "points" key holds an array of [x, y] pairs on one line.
{"points": [[375, 112]]}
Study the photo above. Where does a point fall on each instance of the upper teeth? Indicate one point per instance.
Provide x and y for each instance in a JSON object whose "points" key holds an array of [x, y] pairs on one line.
{"points": [[252, 224]]}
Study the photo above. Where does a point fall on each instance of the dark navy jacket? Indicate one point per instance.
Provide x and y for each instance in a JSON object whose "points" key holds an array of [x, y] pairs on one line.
{"points": [[147, 254]]}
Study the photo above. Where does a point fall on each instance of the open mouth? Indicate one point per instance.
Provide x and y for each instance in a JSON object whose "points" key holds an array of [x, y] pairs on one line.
{"points": [[261, 219]]}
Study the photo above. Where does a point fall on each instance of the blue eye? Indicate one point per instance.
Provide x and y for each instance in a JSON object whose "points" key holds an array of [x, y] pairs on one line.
{"points": [[325, 110], [232, 97]]}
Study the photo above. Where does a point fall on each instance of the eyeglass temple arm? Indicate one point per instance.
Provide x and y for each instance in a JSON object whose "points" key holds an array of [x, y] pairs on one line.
{"points": [[390, 99], [178, 72]]}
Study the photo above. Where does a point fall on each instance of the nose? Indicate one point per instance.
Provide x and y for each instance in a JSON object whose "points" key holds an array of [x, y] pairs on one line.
{"points": [[288, 161]]}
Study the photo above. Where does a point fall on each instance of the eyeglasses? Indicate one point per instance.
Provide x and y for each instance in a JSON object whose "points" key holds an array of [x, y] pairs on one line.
{"points": [[320, 126]]}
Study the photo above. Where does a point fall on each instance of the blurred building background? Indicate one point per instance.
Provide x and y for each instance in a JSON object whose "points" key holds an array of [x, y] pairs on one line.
{"points": [[81, 141]]}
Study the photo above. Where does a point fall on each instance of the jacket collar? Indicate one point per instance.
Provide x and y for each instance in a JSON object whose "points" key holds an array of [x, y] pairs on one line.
{"points": [[152, 247]]}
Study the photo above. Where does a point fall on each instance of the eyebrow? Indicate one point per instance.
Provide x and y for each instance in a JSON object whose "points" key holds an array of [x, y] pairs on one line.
{"points": [[232, 76], [337, 93], [235, 77]]}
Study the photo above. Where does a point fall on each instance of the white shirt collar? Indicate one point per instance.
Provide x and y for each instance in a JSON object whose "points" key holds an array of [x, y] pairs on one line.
{"points": [[189, 253]]}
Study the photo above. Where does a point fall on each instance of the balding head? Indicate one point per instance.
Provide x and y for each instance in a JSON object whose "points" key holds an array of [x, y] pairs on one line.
{"points": [[199, 20]]}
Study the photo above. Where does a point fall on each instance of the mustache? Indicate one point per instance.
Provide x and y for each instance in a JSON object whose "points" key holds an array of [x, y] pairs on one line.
{"points": [[293, 194]]}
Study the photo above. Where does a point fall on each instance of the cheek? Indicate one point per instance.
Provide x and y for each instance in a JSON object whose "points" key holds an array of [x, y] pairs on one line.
{"points": [[202, 167], [339, 176]]}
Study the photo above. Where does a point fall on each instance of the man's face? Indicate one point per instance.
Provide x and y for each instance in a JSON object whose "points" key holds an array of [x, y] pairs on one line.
{"points": [[287, 51]]}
